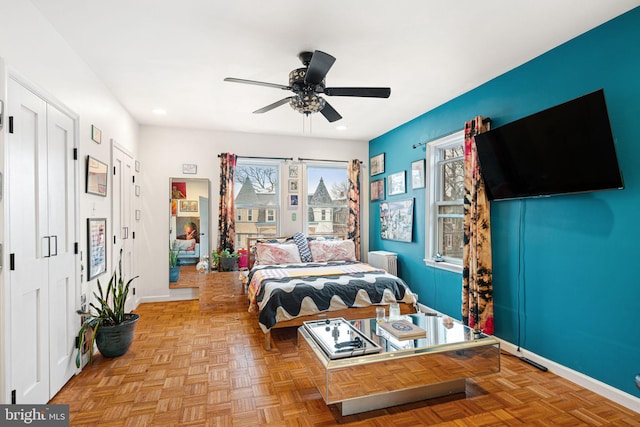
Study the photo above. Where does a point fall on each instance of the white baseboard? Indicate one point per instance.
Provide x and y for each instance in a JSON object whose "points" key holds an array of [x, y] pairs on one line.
{"points": [[173, 297], [620, 397]]}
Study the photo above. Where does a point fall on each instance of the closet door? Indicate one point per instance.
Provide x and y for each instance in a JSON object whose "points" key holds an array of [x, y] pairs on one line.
{"points": [[122, 213], [28, 246], [62, 260], [41, 236]]}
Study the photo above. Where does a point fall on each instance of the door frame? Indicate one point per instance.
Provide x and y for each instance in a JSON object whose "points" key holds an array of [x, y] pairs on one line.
{"points": [[7, 73]]}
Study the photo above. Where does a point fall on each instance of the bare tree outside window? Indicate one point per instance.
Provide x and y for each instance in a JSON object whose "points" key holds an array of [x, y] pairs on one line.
{"points": [[263, 178], [257, 201]]}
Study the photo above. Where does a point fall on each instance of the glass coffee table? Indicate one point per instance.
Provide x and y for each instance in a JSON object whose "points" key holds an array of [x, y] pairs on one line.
{"points": [[403, 371]]}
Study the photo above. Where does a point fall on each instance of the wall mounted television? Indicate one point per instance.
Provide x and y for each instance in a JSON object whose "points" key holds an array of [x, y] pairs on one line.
{"points": [[564, 149]]}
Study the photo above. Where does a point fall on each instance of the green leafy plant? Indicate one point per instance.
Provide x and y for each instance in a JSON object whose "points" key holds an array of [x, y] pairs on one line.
{"points": [[109, 309], [173, 256], [216, 256]]}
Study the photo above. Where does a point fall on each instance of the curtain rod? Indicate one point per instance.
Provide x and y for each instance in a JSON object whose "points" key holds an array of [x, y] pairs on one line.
{"points": [[484, 121], [301, 159], [263, 158]]}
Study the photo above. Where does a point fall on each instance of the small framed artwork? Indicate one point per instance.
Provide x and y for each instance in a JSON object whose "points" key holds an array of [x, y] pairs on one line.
{"points": [[188, 206], [293, 171], [190, 168], [96, 134], [178, 190], [293, 200], [376, 164], [377, 190], [396, 184], [96, 246], [417, 174], [293, 186], [96, 177]]}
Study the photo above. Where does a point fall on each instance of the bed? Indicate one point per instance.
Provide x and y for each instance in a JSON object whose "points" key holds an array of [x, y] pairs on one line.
{"points": [[292, 281]]}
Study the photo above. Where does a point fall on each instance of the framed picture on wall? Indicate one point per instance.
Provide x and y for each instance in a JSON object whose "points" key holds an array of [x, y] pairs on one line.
{"points": [[96, 246], [376, 164], [417, 174], [96, 134], [293, 186], [396, 184], [96, 177], [396, 220], [188, 206], [377, 190], [293, 200]]}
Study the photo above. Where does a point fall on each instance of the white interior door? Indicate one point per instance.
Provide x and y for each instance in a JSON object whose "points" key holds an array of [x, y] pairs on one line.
{"points": [[28, 278], [62, 260], [122, 213], [42, 284], [204, 226]]}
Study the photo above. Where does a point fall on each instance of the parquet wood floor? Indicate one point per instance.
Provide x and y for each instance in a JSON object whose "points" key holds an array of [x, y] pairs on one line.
{"points": [[192, 367]]}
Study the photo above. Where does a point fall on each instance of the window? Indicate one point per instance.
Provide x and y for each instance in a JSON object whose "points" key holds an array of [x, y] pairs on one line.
{"points": [[271, 215], [327, 200], [257, 200], [445, 202]]}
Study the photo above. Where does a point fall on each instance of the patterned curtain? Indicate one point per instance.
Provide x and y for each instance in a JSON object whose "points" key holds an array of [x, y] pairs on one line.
{"points": [[354, 204], [226, 218], [477, 287]]}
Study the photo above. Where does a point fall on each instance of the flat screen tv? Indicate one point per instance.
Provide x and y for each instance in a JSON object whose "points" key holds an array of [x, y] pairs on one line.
{"points": [[565, 149]]}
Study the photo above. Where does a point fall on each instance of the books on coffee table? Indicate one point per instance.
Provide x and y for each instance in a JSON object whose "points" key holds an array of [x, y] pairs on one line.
{"points": [[403, 329]]}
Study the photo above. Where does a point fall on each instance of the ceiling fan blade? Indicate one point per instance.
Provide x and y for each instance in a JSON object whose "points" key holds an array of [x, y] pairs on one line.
{"points": [[368, 92], [318, 67], [272, 106], [329, 113], [254, 82]]}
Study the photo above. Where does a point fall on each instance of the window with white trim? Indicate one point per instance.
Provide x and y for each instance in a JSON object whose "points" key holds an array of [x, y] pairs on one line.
{"points": [[257, 199], [445, 202], [327, 198]]}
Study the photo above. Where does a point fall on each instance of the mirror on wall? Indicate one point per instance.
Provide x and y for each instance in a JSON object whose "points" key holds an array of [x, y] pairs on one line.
{"points": [[189, 227]]}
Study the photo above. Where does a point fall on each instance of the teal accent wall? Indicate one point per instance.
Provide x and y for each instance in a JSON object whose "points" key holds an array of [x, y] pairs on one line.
{"points": [[565, 268]]}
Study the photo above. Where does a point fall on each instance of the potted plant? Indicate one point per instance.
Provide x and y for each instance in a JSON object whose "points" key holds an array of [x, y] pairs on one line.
{"points": [[226, 260], [174, 267], [109, 326]]}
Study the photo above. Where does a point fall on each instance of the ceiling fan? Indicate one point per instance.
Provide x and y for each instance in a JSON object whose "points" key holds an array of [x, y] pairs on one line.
{"points": [[308, 82]]}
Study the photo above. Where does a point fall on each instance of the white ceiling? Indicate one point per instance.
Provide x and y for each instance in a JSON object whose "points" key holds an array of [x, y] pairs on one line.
{"points": [[175, 54]]}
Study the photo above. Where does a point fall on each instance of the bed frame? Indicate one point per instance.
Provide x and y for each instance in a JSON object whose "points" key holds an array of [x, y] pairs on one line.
{"points": [[352, 313]]}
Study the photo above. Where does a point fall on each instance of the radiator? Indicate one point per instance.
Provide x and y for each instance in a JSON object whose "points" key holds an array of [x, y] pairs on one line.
{"points": [[388, 261]]}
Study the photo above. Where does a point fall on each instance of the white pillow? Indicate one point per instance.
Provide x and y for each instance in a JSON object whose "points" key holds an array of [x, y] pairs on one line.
{"points": [[277, 253], [184, 245], [332, 250]]}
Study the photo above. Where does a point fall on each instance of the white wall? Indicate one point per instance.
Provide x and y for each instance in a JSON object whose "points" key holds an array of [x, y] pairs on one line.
{"points": [[35, 53], [162, 152]]}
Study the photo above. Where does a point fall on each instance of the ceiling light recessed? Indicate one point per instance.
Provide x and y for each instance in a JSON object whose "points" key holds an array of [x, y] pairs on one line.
{"points": [[159, 111], [341, 127]]}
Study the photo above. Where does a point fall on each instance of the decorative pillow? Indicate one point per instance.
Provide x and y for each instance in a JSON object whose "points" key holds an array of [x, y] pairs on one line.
{"points": [[333, 250], [184, 245], [277, 253], [303, 247]]}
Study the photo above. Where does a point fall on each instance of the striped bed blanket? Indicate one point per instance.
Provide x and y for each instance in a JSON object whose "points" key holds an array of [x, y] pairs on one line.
{"points": [[283, 292]]}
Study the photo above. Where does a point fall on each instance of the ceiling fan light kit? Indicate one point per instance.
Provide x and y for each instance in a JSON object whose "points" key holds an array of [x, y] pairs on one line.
{"points": [[308, 82]]}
